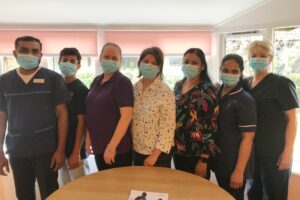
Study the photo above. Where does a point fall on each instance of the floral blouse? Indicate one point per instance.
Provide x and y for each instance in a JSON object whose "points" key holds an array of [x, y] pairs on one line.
{"points": [[196, 120]]}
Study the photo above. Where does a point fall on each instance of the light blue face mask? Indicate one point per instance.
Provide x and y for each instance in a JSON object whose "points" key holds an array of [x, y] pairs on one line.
{"points": [[68, 69], [258, 64], [27, 61], [230, 79], [190, 71], [148, 71], [109, 66]]}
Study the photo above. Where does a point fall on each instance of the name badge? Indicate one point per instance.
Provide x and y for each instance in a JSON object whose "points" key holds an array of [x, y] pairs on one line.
{"points": [[40, 81]]}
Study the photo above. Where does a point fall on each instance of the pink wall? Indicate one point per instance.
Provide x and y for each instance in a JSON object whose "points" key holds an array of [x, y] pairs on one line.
{"points": [[171, 42], [131, 42], [53, 41]]}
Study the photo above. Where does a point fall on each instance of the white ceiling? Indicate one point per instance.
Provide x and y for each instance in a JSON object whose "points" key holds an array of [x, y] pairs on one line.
{"points": [[122, 12]]}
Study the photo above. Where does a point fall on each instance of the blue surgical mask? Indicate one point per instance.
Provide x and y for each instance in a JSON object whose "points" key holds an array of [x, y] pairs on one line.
{"points": [[68, 69], [148, 71], [258, 64], [109, 66], [190, 71], [27, 61], [230, 79]]}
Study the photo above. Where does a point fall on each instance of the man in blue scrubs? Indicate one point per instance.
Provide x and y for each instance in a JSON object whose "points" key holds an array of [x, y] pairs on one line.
{"points": [[32, 105]]}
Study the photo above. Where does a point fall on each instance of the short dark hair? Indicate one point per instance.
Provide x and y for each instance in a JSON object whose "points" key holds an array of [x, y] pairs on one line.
{"points": [[70, 52], [238, 59], [114, 45], [27, 39], [198, 52], [158, 55]]}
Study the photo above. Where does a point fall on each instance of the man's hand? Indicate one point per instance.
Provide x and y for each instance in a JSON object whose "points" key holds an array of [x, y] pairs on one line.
{"points": [[284, 161], [74, 161], [58, 160]]}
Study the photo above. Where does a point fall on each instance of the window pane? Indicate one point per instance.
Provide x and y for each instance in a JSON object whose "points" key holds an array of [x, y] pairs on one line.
{"points": [[86, 73], [9, 63], [47, 62], [129, 67], [287, 62], [1, 65], [172, 69]]}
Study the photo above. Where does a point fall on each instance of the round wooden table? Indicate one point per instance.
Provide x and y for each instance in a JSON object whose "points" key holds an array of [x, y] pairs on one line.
{"points": [[116, 184]]}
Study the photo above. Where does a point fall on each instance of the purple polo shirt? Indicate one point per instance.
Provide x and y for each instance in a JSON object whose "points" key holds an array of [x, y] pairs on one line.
{"points": [[103, 105]]}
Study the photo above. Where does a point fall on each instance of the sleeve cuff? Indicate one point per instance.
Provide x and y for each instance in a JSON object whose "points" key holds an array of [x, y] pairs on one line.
{"points": [[164, 148], [247, 128]]}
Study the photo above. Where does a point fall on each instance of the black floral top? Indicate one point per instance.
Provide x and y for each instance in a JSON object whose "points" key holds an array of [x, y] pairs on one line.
{"points": [[196, 120]]}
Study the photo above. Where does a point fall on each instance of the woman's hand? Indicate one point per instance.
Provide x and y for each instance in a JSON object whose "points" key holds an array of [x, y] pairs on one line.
{"points": [[109, 155], [152, 158], [236, 179], [88, 143], [150, 161], [200, 169]]}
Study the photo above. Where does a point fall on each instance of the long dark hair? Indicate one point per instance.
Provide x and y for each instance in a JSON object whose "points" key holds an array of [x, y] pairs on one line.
{"points": [[203, 74]]}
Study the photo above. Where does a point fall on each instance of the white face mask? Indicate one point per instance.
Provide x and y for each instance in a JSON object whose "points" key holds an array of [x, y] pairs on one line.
{"points": [[258, 64], [109, 66], [190, 71], [27, 61], [68, 69], [230, 79]]}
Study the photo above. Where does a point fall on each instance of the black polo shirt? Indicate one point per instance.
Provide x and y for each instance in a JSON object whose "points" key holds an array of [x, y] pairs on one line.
{"points": [[76, 106], [237, 114], [273, 95], [30, 108]]}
